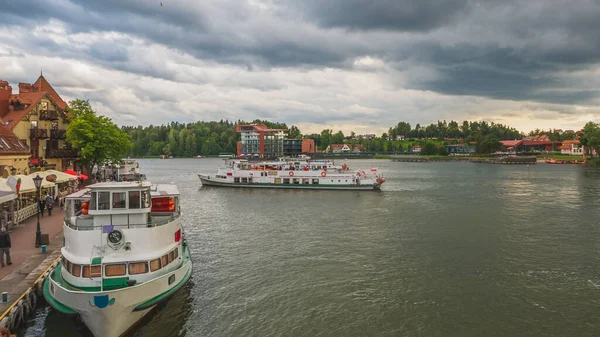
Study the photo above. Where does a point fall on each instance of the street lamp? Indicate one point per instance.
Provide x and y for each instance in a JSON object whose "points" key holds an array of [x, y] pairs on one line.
{"points": [[37, 180]]}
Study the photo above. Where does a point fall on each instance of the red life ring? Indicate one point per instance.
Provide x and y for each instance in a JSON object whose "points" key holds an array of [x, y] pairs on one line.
{"points": [[323, 173], [291, 173]]}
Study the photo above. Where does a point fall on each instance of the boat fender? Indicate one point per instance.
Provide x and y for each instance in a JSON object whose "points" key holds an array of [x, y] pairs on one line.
{"points": [[323, 173], [291, 173]]}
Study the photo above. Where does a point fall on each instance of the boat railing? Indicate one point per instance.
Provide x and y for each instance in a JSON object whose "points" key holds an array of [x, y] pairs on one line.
{"points": [[86, 222]]}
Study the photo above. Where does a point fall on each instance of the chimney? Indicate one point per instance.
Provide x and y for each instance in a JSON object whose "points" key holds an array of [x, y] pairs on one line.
{"points": [[5, 92], [24, 87]]}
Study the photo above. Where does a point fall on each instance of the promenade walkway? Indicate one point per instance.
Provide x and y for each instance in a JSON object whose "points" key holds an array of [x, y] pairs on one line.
{"points": [[25, 257]]}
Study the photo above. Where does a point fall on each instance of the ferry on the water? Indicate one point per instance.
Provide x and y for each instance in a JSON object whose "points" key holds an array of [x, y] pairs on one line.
{"points": [[124, 253], [293, 174]]}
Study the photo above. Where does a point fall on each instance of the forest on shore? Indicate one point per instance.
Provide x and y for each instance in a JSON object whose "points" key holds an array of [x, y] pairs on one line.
{"points": [[211, 138]]}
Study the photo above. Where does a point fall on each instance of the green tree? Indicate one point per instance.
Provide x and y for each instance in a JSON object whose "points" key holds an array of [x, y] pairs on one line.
{"points": [[591, 137], [294, 132], [429, 149], [96, 137]]}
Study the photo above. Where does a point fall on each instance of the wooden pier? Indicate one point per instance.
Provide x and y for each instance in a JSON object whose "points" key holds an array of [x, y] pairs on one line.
{"points": [[493, 160]]}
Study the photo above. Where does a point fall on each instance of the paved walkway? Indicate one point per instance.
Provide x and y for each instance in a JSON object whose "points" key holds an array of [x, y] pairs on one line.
{"points": [[25, 257], [22, 238]]}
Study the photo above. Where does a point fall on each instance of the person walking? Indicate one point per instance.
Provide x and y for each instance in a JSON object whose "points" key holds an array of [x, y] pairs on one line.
{"points": [[4, 246], [42, 204], [61, 204], [49, 204]]}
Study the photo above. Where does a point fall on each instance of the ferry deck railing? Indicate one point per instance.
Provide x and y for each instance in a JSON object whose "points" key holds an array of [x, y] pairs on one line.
{"points": [[85, 222]]}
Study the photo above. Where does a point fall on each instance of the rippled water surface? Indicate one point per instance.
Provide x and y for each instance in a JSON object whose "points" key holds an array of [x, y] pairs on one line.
{"points": [[446, 249]]}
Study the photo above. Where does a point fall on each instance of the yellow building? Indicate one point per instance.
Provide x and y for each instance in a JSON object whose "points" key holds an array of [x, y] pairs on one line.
{"points": [[36, 116]]}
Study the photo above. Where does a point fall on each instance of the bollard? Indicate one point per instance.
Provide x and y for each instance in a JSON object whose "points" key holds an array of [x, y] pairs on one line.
{"points": [[43, 248], [4, 297]]}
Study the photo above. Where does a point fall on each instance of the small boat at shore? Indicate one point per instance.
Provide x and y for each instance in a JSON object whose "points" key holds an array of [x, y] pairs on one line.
{"points": [[293, 174], [124, 254], [554, 161]]}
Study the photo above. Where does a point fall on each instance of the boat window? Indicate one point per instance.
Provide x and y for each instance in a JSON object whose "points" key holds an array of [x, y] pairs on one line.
{"points": [[93, 201], [85, 271], [236, 180], [76, 270], [171, 256], [164, 260], [138, 268], [176, 253], [68, 266], [134, 199], [315, 181], [119, 200], [286, 180], [96, 271], [146, 199], [155, 265], [68, 209], [114, 270], [103, 200]]}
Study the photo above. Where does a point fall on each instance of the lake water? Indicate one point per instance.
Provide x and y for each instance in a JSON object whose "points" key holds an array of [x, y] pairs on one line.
{"points": [[445, 249]]}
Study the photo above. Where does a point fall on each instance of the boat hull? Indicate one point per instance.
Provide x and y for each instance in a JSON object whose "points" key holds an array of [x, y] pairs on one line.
{"points": [[211, 182], [114, 313]]}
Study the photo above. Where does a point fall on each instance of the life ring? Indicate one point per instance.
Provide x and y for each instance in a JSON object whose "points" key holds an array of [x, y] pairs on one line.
{"points": [[323, 173], [291, 173]]}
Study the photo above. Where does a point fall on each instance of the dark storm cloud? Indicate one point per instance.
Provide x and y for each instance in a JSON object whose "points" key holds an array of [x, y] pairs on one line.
{"points": [[498, 49], [402, 15]]}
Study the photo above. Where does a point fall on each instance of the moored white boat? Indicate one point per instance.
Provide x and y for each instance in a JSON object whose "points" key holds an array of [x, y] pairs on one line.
{"points": [[293, 174], [124, 253]]}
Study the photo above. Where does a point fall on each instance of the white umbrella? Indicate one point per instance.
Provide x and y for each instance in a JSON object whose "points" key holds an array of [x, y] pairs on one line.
{"points": [[27, 184], [61, 177]]}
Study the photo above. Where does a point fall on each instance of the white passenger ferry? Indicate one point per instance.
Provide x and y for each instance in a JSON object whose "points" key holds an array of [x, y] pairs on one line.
{"points": [[298, 174], [124, 253]]}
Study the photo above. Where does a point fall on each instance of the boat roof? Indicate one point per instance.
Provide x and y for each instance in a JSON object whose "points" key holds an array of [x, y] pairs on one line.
{"points": [[120, 184], [155, 190]]}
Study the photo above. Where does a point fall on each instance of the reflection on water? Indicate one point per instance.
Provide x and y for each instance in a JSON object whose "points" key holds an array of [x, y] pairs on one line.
{"points": [[446, 249]]}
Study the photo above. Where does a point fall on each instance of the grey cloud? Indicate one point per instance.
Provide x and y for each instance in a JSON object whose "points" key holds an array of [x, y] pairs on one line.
{"points": [[506, 50]]}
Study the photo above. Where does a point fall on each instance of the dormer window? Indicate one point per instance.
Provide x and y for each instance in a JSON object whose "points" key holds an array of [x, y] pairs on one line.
{"points": [[44, 105], [34, 124]]}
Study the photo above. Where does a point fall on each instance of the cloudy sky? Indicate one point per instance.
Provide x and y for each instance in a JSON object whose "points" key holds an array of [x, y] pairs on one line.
{"points": [[350, 65]]}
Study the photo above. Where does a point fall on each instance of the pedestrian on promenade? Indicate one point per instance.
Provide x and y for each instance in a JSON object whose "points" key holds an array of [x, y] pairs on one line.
{"points": [[4, 246], [49, 204], [61, 204], [42, 204]]}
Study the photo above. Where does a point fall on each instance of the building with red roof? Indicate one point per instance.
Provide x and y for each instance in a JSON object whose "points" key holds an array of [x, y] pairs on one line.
{"points": [[260, 141], [36, 115]]}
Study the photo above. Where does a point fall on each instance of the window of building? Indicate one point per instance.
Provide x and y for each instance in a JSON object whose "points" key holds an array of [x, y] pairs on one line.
{"points": [[119, 200], [134, 199], [138, 268], [34, 124], [155, 265], [44, 105], [103, 200], [115, 270]]}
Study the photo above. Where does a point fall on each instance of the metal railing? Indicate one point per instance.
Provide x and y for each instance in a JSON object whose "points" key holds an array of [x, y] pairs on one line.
{"points": [[91, 227]]}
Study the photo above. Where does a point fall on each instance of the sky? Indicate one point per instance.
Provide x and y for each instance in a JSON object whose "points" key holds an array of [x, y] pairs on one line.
{"points": [[349, 65]]}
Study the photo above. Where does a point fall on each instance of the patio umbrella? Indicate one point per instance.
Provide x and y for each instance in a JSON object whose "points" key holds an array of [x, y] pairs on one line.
{"points": [[71, 172], [83, 176]]}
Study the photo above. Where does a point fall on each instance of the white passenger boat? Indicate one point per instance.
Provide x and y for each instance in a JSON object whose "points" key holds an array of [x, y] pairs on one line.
{"points": [[298, 174], [124, 253]]}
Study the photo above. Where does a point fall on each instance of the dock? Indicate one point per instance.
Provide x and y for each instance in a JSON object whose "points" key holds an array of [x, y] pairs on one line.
{"points": [[22, 280], [489, 160]]}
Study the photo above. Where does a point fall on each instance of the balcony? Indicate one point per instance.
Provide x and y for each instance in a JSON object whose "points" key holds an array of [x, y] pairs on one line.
{"points": [[49, 115], [37, 133], [58, 134], [65, 153]]}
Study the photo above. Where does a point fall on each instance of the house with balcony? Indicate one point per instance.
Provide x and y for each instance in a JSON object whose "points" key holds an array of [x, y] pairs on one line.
{"points": [[36, 116], [258, 140], [338, 148], [571, 147]]}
